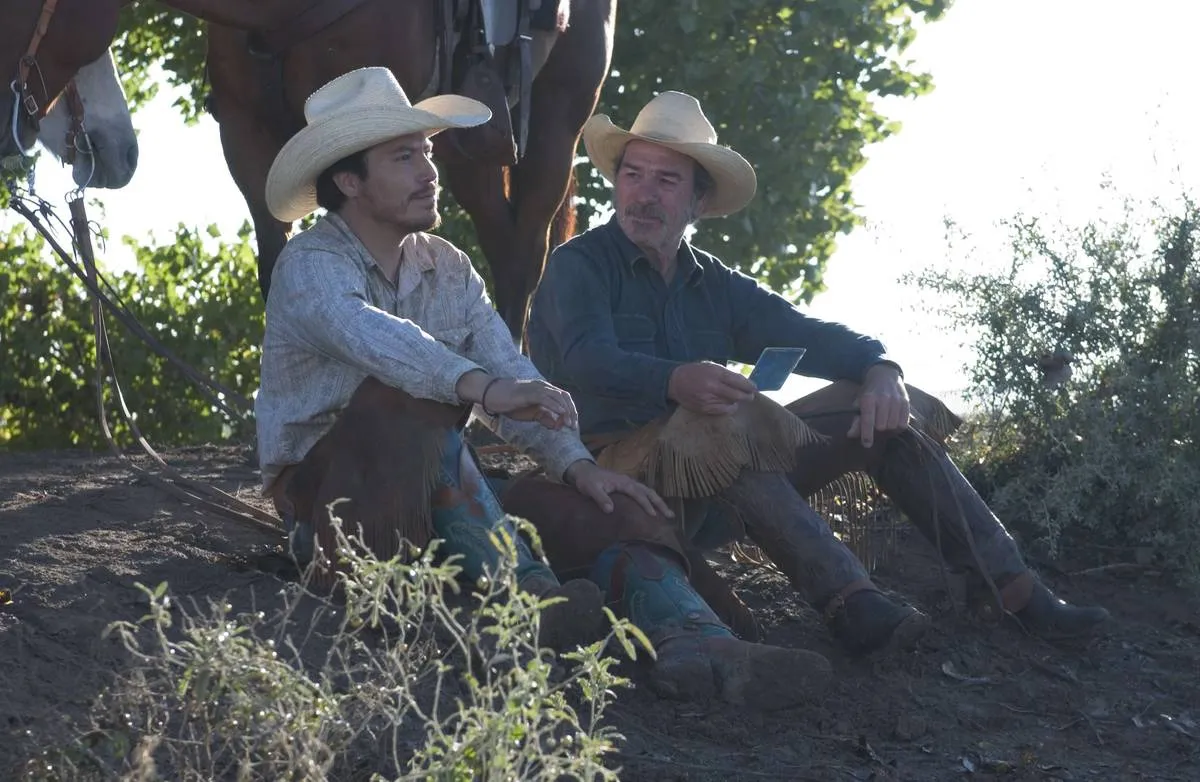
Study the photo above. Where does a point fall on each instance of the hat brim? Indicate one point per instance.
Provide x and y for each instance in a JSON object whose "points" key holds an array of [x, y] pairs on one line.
{"points": [[291, 189], [734, 179]]}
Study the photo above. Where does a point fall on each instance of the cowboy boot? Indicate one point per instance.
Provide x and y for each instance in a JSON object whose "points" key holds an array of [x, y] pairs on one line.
{"points": [[801, 544], [1046, 615], [697, 657], [928, 488], [465, 511]]}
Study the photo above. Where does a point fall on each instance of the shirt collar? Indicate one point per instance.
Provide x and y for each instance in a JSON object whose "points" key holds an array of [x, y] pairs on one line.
{"points": [[414, 253]]}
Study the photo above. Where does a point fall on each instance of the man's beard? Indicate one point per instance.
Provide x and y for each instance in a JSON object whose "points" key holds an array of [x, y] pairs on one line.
{"points": [[420, 224], [425, 223]]}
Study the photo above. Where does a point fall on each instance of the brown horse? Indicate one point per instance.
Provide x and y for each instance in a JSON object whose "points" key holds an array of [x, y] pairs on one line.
{"points": [[43, 44], [258, 102]]}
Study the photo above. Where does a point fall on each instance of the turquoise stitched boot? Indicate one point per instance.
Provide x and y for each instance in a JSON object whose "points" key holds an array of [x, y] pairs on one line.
{"points": [[465, 510], [697, 656]]}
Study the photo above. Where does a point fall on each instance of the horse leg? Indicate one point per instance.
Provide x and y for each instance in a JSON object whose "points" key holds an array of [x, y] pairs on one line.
{"points": [[248, 143], [481, 191], [542, 183], [249, 150], [564, 96], [513, 227]]}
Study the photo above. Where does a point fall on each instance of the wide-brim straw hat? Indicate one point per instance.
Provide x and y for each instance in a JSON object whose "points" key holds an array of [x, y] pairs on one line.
{"points": [[676, 121], [355, 111]]}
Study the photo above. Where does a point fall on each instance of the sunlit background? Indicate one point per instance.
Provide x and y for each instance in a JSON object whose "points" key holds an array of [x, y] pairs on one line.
{"points": [[1038, 103]]}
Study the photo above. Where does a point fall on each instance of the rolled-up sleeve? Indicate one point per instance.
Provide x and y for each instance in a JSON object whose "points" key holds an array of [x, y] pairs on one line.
{"points": [[573, 303], [492, 347], [323, 303]]}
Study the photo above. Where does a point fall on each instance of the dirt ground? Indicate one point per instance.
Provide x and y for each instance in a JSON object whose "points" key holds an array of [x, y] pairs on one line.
{"points": [[978, 700]]}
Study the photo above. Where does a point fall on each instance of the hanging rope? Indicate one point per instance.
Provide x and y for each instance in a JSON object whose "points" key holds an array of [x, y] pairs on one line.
{"points": [[167, 478], [219, 394]]}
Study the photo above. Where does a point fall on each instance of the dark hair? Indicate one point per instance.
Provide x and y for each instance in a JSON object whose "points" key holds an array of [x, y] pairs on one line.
{"points": [[329, 196], [702, 181]]}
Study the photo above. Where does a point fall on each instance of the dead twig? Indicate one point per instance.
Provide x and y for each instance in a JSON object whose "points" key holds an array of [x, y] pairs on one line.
{"points": [[1171, 723], [1092, 725], [1019, 711], [1058, 673], [948, 669], [1114, 567]]}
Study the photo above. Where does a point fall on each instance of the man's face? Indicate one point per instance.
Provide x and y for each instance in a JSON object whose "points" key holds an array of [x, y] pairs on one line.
{"points": [[654, 196], [401, 186]]}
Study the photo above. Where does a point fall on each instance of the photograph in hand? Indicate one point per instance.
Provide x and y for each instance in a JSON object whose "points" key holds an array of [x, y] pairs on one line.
{"points": [[773, 367]]}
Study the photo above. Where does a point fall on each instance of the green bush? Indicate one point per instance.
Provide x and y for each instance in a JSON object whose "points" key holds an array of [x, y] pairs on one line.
{"points": [[377, 688], [1099, 460], [203, 304]]}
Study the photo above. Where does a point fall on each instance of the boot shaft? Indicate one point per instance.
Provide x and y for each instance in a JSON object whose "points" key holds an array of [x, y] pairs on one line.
{"points": [[466, 512], [653, 592]]}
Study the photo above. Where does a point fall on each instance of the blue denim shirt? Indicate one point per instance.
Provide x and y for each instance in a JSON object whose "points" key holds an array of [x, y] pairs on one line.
{"points": [[607, 328]]}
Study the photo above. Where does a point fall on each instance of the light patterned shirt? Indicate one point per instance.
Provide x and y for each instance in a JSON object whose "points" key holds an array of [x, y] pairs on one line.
{"points": [[333, 319]]}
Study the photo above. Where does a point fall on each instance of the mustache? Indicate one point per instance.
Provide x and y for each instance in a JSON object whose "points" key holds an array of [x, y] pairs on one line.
{"points": [[427, 192], [645, 212]]}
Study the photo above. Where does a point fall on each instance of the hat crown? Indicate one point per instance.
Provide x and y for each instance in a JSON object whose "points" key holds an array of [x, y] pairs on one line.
{"points": [[674, 116], [362, 88], [676, 121]]}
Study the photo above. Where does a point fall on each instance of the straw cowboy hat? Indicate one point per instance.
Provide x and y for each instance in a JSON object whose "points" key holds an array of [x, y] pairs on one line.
{"points": [[355, 111], [675, 120]]}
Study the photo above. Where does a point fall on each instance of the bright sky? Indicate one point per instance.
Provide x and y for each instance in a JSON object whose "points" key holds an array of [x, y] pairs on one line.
{"points": [[1036, 103]]}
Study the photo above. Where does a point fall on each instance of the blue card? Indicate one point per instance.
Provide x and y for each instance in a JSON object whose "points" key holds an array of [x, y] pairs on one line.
{"points": [[773, 367]]}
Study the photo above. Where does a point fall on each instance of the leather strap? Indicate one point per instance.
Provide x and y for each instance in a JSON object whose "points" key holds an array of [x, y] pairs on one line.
{"points": [[838, 601], [29, 61], [524, 76], [75, 129], [1015, 595]]}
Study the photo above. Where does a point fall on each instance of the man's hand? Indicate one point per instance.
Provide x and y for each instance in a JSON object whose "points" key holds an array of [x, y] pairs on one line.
{"points": [[709, 388], [520, 400], [882, 404], [600, 484]]}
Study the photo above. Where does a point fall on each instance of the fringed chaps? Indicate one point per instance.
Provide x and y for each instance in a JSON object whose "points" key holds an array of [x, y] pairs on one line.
{"points": [[690, 455]]}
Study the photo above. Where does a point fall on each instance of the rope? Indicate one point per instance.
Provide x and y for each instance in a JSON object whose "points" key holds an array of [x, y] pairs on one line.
{"points": [[217, 393], [165, 477]]}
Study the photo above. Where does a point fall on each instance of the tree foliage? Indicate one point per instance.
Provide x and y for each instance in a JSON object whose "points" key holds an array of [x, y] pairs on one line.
{"points": [[203, 304], [791, 85], [1104, 457]]}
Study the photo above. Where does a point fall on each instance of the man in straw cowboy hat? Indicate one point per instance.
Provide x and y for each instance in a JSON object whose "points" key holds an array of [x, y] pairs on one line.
{"points": [[380, 340], [638, 324]]}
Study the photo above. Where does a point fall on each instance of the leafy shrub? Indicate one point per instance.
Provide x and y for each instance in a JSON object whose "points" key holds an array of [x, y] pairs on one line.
{"points": [[1087, 368], [405, 685], [203, 304]]}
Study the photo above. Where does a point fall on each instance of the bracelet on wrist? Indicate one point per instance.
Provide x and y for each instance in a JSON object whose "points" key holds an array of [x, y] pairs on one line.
{"points": [[483, 398]]}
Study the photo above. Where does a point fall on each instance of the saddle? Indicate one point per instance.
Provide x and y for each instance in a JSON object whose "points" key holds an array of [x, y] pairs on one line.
{"points": [[485, 51]]}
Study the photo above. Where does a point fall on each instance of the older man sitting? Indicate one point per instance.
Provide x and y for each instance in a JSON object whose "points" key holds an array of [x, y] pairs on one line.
{"points": [[638, 325]]}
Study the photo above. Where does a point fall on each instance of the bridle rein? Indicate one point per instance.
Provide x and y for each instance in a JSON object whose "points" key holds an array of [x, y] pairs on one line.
{"points": [[25, 101]]}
